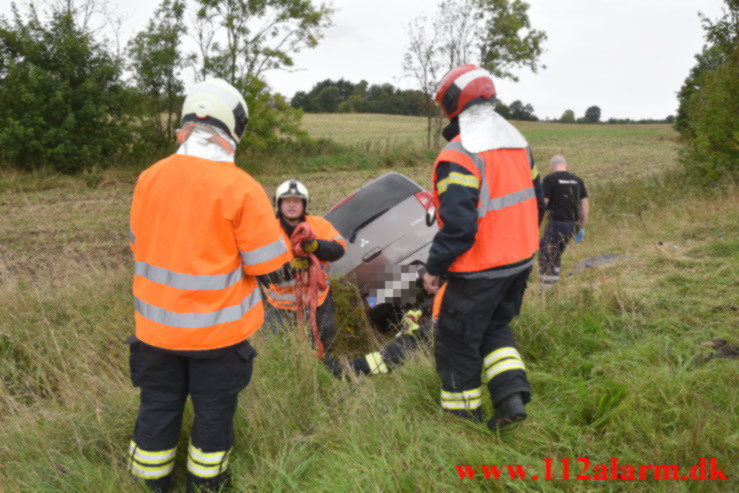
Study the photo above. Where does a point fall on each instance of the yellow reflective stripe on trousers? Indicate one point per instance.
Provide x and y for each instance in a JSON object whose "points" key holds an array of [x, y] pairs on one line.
{"points": [[376, 363], [500, 354], [207, 464], [468, 399], [150, 464], [456, 178], [202, 471], [151, 472], [206, 457], [149, 456], [505, 365]]}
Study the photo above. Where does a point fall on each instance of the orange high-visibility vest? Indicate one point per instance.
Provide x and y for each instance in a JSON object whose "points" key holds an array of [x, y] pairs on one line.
{"points": [[201, 231], [282, 295], [507, 214]]}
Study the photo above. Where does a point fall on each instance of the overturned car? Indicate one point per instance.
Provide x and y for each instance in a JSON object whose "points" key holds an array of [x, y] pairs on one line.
{"points": [[389, 225]]}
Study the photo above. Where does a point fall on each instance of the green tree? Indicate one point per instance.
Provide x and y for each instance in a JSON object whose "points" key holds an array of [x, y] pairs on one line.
{"points": [[567, 117], [329, 99], [62, 99], [507, 40], [709, 101], [157, 61], [240, 40], [721, 39], [592, 114], [495, 34], [502, 109], [520, 111]]}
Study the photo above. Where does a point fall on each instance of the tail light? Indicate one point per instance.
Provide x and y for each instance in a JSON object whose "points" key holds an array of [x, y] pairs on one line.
{"points": [[425, 198], [427, 201]]}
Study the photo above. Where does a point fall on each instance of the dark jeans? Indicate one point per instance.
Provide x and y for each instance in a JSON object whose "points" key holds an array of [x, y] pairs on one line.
{"points": [[553, 243]]}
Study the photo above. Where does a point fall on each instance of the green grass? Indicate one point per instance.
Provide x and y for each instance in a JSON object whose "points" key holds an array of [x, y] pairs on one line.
{"points": [[614, 354]]}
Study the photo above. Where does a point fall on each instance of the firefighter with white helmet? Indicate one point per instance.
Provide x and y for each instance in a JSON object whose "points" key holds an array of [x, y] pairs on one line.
{"points": [[488, 200], [202, 230], [291, 201]]}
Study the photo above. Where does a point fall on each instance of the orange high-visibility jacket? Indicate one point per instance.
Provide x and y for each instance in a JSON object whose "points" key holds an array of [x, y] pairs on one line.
{"points": [[507, 215], [282, 295], [201, 231]]}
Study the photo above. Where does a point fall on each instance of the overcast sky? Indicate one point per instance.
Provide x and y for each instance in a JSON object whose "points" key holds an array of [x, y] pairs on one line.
{"points": [[629, 57]]}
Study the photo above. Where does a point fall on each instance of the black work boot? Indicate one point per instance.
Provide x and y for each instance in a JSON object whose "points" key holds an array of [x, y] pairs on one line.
{"points": [[336, 368], [474, 415], [508, 411], [213, 485], [160, 485]]}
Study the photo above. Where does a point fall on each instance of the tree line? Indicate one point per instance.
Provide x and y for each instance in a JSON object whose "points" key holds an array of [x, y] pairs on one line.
{"points": [[343, 96], [593, 114]]}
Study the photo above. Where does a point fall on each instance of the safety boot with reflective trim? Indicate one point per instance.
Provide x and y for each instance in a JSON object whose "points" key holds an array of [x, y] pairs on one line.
{"points": [[508, 411]]}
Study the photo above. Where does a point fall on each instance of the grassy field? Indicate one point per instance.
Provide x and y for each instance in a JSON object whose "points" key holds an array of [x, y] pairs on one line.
{"points": [[615, 355]]}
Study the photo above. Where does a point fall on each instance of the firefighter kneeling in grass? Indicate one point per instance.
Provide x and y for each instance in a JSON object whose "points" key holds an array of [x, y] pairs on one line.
{"points": [[291, 201], [416, 331], [487, 195]]}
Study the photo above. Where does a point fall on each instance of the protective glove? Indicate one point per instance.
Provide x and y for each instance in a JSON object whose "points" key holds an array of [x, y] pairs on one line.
{"points": [[409, 322], [580, 235], [299, 264], [310, 246]]}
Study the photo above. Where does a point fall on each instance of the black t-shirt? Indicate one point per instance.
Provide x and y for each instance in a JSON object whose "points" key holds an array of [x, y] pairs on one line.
{"points": [[564, 191]]}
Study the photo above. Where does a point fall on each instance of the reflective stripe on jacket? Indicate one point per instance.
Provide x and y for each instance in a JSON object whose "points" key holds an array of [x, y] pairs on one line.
{"points": [[201, 231], [282, 295], [507, 215]]}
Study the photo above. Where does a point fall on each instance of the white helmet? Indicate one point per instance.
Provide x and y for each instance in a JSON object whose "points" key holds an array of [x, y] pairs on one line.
{"points": [[292, 188], [216, 102]]}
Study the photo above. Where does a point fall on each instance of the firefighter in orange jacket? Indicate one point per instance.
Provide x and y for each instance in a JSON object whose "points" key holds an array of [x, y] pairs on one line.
{"points": [[291, 201], [488, 200], [201, 231]]}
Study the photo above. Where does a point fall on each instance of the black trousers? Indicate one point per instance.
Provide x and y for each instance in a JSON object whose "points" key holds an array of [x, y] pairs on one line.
{"points": [[276, 319], [474, 342], [394, 354], [551, 247], [213, 380]]}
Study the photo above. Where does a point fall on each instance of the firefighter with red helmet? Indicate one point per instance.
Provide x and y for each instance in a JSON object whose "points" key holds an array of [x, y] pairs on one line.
{"points": [[489, 202]]}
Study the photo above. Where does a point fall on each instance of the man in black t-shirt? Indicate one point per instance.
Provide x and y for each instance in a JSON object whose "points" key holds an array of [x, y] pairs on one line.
{"points": [[568, 206]]}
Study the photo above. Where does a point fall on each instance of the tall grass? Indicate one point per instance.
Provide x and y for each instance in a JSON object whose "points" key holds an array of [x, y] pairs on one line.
{"points": [[614, 354]]}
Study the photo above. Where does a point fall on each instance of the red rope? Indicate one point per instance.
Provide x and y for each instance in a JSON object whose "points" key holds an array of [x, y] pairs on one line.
{"points": [[308, 283]]}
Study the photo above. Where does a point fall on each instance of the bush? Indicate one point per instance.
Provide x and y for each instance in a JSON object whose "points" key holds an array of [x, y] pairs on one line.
{"points": [[713, 151], [709, 102], [61, 96]]}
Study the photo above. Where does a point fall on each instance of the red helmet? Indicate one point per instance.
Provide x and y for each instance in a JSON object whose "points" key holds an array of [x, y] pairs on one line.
{"points": [[461, 86]]}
